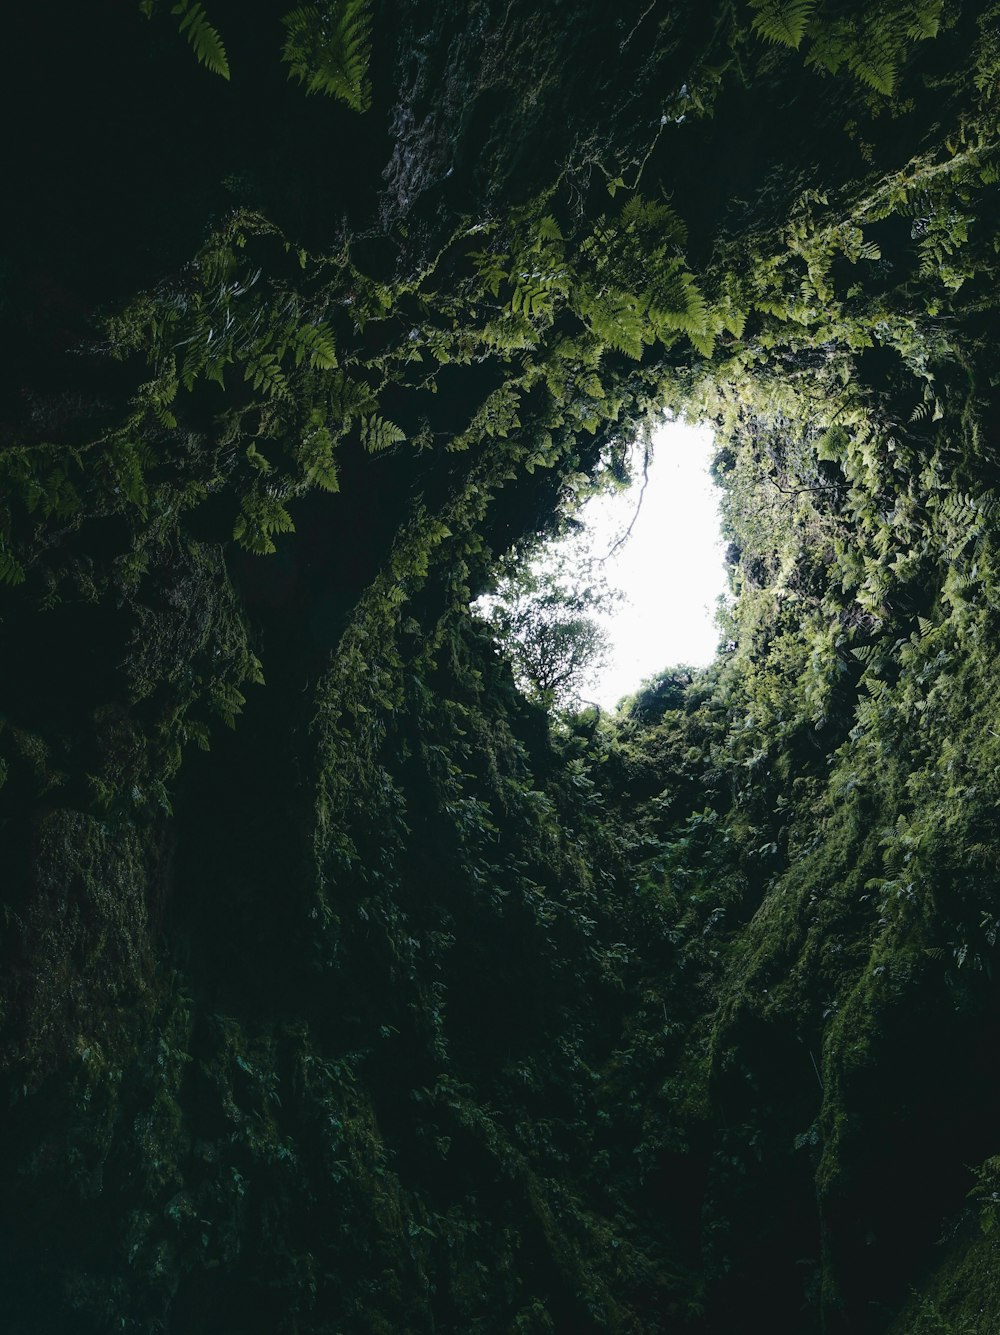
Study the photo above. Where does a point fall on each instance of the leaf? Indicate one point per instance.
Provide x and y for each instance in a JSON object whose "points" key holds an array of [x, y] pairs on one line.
{"points": [[11, 569], [783, 24], [702, 342], [261, 517], [926, 20], [204, 39], [531, 297], [316, 457], [263, 371], [378, 434], [316, 341], [832, 445], [877, 72], [328, 48], [348, 399], [228, 703], [614, 317]]}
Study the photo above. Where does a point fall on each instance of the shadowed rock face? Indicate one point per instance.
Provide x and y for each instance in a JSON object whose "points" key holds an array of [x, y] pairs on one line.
{"points": [[343, 988]]}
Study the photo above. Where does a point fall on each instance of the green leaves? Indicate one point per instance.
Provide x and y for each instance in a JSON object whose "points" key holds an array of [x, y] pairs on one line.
{"points": [[875, 68], [616, 318], [204, 39], [261, 516], [378, 434], [784, 24], [328, 49], [263, 370], [11, 569], [925, 19], [316, 343], [636, 287], [872, 44], [317, 458]]}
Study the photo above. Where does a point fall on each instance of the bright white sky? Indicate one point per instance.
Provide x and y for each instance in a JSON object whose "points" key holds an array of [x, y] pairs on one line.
{"points": [[671, 568]]}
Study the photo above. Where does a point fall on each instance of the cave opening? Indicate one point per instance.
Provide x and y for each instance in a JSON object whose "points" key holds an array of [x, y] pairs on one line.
{"points": [[631, 584], [350, 980], [660, 543]]}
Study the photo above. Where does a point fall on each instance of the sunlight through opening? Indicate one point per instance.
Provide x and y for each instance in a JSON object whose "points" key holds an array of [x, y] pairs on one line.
{"points": [[670, 568]]}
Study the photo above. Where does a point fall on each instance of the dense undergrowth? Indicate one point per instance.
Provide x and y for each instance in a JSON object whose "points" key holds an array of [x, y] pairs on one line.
{"points": [[344, 988]]}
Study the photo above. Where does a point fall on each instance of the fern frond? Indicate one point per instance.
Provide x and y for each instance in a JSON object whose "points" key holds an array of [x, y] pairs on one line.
{"points": [[316, 457], [263, 371], [491, 269], [11, 569], [676, 301], [378, 434], [615, 317], [878, 72], [532, 295], [926, 20], [830, 47], [204, 39], [328, 48], [315, 341], [227, 702], [348, 398], [261, 517], [782, 23], [656, 218]]}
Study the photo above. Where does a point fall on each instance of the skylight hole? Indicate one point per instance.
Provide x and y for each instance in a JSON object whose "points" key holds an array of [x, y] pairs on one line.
{"points": [[660, 542], [643, 567]]}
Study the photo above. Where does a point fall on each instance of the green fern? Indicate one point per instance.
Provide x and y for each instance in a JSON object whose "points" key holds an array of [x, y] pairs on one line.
{"points": [[615, 318], [315, 341], [348, 398], [926, 20], [204, 39], [11, 569], [228, 702], [491, 269], [328, 48], [874, 69], [261, 517], [532, 295], [830, 47], [316, 458], [378, 434], [653, 219], [677, 303], [263, 370], [782, 23]]}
